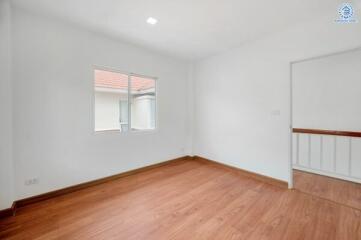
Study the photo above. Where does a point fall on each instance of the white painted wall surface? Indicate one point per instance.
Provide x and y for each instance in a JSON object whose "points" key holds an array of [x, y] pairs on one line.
{"points": [[6, 164], [327, 92], [238, 95], [53, 111]]}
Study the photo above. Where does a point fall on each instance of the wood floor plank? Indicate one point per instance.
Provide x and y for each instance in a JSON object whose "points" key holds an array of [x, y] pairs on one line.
{"points": [[187, 200], [336, 190]]}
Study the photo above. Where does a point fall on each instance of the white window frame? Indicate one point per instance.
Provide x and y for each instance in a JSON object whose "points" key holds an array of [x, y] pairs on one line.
{"points": [[130, 130]]}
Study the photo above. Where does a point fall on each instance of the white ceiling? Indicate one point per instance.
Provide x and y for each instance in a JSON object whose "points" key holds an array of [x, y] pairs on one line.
{"points": [[188, 29]]}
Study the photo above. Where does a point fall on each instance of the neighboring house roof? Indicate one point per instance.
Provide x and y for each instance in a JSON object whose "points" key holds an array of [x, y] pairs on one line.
{"points": [[114, 80]]}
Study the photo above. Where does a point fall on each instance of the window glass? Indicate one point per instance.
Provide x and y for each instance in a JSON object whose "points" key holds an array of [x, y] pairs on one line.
{"points": [[111, 101], [124, 102], [142, 99]]}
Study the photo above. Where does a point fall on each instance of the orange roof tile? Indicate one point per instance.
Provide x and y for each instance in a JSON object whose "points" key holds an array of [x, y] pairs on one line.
{"points": [[114, 80]]}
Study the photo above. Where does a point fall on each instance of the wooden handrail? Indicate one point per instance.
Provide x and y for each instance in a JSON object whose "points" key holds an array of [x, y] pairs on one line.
{"points": [[327, 132]]}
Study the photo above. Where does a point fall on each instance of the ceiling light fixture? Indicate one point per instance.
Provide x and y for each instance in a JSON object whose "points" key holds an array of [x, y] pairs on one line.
{"points": [[152, 21]]}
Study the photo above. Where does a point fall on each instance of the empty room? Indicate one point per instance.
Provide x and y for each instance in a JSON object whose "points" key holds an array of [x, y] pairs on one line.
{"points": [[189, 120]]}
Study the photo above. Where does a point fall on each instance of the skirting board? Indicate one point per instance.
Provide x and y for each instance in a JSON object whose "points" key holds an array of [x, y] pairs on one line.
{"points": [[7, 212], [259, 177], [27, 201]]}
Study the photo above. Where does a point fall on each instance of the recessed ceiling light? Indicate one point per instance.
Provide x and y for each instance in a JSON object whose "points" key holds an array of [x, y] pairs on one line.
{"points": [[152, 21]]}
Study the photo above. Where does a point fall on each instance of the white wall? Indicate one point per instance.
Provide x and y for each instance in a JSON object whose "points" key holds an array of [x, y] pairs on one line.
{"points": [[6, 164], [327, 92], [190, 113], [242, 97], [53, 92]]}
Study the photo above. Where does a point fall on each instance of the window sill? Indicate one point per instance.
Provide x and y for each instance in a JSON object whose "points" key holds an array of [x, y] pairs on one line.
{"points": [[131, 132]]}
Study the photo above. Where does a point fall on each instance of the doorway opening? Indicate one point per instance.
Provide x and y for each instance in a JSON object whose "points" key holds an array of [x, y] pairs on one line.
{"points": [[326, 127]]}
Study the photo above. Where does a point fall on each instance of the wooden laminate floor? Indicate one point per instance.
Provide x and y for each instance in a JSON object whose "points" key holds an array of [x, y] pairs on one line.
{"points": [[340, 191], [184, 200]]}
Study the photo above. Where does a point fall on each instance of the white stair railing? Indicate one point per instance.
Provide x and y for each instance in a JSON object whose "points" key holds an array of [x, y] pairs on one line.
{"points": [[331, 153]]}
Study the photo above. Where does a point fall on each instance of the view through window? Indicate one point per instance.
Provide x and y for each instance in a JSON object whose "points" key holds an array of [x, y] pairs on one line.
{"points": [[123, 99]]}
